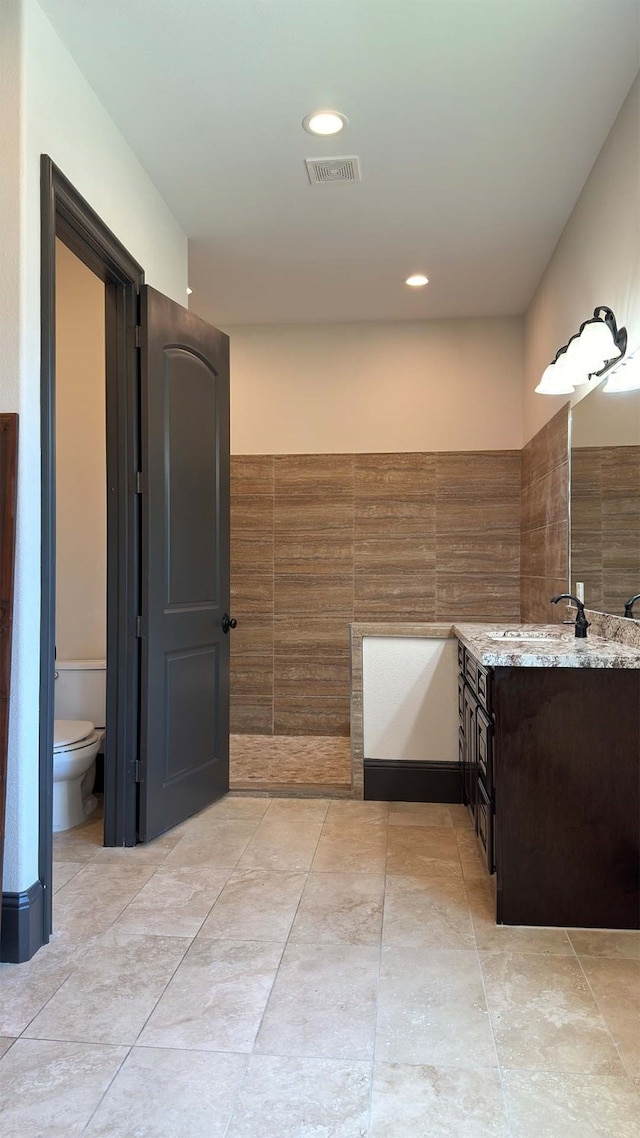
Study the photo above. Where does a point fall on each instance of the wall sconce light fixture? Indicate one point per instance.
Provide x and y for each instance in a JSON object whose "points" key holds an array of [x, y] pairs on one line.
{"points": [[625, 376], [591, 353]]}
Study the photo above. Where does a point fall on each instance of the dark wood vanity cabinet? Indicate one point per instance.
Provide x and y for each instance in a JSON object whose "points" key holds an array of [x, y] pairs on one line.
{"points": [[476, 748], [550, 763]]}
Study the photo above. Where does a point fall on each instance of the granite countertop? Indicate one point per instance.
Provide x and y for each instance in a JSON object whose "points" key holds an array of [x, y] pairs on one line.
{"points": [[492, 646]]}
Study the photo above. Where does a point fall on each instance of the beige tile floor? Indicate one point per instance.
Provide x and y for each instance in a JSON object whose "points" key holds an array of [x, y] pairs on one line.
{"points": [[289, 968]]}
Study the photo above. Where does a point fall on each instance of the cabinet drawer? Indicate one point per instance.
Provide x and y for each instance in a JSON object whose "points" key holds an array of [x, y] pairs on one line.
{"points": [[484, 826], [461, 700], [471, 672], [461, 657], [484, 688], [479, 680], [485, 750]]}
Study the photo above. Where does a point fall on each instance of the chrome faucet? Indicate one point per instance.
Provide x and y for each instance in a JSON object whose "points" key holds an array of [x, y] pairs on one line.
{"points": [[628, 608], [581, 623]]}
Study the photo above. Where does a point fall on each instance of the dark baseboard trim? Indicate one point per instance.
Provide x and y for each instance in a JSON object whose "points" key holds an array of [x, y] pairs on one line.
{"points": [[398, 780], [22, 924]]}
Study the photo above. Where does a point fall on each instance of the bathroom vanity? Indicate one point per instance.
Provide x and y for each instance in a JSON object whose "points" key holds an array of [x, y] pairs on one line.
{"points": [[549, 745], [548, 741]]}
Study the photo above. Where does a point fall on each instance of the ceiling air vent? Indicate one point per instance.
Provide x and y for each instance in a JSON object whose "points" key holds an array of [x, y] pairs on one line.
{"points": [[321, 170]]}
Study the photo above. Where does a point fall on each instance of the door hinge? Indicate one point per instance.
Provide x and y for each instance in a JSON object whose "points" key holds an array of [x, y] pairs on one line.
{"points": [[138, 482], [138, 626], [136, 333], [137, 776]]}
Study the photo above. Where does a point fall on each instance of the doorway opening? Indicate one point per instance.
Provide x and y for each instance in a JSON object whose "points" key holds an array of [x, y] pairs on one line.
{"points": [[166, 388], [70, 228], [80, 723]]}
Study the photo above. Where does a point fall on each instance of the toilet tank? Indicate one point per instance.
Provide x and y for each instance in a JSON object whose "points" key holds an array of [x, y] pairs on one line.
{"points": [[81, 690]]}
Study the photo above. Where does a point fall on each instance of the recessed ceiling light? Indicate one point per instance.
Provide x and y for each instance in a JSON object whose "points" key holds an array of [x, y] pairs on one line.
{"points": [[189, 291], [325, 122], [417, 280]]}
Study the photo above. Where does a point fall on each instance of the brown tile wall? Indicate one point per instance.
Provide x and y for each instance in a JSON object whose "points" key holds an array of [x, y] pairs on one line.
{"points": [[545, 525], [320, 540], [605, 524]]}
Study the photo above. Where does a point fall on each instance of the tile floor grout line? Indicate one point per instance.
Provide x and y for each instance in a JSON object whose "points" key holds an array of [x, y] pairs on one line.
{"points": [[180, 961], [76, 969], [273, 982], [135, 896], [44, 1005], [288, 937], [241, 1085], [107, 1088], [573, 948], [80, 866], [493, 1034], [377, 1006], [231, 1116], [604, 1019]]}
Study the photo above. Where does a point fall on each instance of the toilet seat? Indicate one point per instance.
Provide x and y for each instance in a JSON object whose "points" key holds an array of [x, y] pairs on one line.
{"points": [[71, 734]]}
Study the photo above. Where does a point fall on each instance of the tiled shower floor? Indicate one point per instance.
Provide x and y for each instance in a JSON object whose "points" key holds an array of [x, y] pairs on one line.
{"points": [[312, 969]]}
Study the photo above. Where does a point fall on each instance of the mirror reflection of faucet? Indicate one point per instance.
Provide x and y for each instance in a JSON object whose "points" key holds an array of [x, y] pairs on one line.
{"points": [[628, 608], [581, 623]]}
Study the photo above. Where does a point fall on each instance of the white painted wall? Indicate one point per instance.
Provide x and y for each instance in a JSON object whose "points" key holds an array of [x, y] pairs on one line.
{"points": [[49, 108], [81, 462], [596, 261], [410, 698], [432, 385], [605, 419]]}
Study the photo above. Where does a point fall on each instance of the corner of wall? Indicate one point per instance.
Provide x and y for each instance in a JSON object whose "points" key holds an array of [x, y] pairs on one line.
{"points": [[544, 533]]}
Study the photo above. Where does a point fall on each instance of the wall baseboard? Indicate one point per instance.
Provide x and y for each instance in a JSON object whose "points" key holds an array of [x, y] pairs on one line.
{"points": [[21, 933], [398, 780]]}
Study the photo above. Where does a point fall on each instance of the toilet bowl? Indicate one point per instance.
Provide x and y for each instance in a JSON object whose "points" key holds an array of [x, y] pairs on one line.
{"points": [[75, 746]]}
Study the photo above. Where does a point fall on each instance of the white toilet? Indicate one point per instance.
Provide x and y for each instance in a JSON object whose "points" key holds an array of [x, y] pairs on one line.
{"points": [[80, 706]]}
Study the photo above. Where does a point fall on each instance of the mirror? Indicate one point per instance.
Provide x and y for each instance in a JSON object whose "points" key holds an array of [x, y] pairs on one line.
{"points": [[605, 500]]}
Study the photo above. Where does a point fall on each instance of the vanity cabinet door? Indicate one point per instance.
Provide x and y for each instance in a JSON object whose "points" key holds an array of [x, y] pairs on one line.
{"points": [[470, 753], [484, 827], [471, 672], [483, 688], [484, 743], [461, 701]]}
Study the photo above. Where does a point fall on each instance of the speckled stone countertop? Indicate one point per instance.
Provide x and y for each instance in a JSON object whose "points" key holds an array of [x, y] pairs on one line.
{"points": [[497, 646]]}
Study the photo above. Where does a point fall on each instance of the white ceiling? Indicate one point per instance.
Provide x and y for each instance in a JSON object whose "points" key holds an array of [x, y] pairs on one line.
{"points": [[476, 123]]}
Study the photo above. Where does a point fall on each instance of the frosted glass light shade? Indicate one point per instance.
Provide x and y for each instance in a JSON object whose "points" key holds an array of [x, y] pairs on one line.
{"points": [[597, 344], [593, 353], [626, 376], [581, 360], [556, 379]]}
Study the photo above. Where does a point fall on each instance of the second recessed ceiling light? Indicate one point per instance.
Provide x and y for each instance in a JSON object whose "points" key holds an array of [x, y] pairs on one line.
{"points": [[325, 122], [417, 280]]}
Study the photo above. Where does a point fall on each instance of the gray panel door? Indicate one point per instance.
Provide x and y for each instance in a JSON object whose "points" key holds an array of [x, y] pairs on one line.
{"points": [[184, 705]]}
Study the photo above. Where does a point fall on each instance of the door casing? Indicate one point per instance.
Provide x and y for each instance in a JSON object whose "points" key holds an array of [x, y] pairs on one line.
{"points": [[65, 214]]}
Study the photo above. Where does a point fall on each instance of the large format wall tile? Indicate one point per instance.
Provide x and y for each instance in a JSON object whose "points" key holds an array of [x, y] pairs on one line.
{"points": [[304, 715], [394, 536], [478, 535], [395, 476], [399, 595], [545, 520], [252, 593], [321, 540], [464, 596], [605, 524]]}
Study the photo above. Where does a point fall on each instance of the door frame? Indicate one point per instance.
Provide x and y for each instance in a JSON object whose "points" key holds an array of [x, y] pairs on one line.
{"points": [[66, 215]]}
